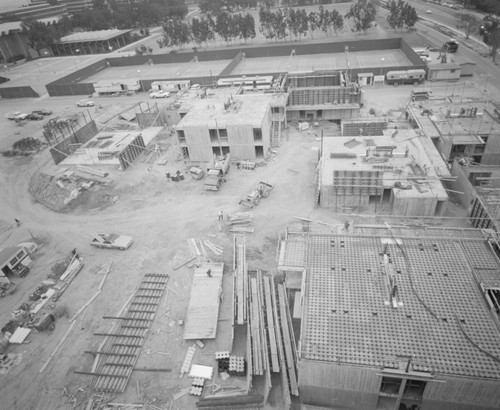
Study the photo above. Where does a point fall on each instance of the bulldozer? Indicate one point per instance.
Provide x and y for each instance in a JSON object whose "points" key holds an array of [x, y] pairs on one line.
{"points": [[262, 190]]}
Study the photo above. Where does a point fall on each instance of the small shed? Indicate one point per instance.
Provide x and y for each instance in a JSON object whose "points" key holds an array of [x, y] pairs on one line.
{"points": [[443, 71], [14, 260], [365, 78]]}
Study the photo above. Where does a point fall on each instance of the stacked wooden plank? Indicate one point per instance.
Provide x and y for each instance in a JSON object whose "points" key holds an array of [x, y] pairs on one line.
{"points": [[120, 350], [240, 222], [288, 340], [240, 279]]}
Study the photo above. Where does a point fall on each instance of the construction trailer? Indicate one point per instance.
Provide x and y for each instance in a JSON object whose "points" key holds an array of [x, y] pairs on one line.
{"points": [[395, 317], [14, 260], [385, 174], [116, 87], [240, 125], [171, 86]]}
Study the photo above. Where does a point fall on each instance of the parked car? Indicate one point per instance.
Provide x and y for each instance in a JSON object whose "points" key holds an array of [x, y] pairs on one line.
{"points": [[16, 116], [451, 46], [85, 103], [428, 11], [111, 240], [35, 117], [159, 94], [43, 111]]}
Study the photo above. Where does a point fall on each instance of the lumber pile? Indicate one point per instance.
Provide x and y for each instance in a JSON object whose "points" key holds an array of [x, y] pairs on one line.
{"points": [[198, 247], [92, 171], [231, 402], [240, 279], [240, 222]]}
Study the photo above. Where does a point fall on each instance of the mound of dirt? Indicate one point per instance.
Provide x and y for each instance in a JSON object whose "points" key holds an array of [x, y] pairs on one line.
{"points": [[68, 197]]}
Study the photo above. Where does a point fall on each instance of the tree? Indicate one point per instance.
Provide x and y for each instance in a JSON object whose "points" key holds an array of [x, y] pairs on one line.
{"points": [[39, 35], [314, 22], [176, 33], [394, 17], [409, 15], [248, 27], [363, 12], [491, 36], [336, 20], [468, 22]]}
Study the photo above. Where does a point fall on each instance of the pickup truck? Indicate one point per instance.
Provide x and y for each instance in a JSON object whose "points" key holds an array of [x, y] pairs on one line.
{"points": [[216, 170], [111, 241]]}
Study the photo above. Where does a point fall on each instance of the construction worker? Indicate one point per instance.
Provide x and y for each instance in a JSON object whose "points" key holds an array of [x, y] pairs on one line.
{"points": [[209, 273], [220, 216], [18, 222], [346, 226]]}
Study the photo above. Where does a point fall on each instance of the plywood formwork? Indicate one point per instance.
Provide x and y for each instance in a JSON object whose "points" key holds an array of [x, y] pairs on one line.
{"points": [[203, 311]]}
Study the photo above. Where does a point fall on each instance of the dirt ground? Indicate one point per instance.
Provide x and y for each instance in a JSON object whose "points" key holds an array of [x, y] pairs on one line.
{"points": [[161, 216]]}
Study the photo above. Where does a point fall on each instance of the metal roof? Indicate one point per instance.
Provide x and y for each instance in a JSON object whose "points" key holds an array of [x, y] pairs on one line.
{"points": [[89, 36]]}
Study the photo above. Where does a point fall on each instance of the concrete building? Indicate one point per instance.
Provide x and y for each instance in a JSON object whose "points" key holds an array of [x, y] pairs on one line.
{"points": [[240, 125], [398, 174], [319, 96], [459, 129], [479, 187], [395, 318]]}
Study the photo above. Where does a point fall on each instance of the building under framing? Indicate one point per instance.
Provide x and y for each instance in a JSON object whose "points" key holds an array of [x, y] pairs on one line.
{"points": [[479, 188], [399, 174], [240, 125], [395, 318], [459, 129], [319, 96]]}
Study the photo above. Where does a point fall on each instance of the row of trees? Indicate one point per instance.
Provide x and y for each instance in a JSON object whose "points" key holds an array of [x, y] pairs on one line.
{"points": [[201, 31], [295, 23], [103, 16]]}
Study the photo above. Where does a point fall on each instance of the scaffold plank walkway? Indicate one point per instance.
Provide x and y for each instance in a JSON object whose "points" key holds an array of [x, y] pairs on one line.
{"points": [[119, 352]]}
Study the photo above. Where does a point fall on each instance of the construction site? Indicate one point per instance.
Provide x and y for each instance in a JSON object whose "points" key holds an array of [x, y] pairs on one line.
{"points": [[267, 234]]}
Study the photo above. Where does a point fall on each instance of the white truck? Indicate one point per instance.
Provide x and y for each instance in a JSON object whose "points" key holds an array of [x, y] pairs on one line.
{"points": [[216, 169]]}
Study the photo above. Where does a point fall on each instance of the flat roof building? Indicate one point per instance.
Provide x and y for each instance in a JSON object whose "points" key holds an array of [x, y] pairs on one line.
{"points": [[396, 318], [398, 174], [239, 125]]}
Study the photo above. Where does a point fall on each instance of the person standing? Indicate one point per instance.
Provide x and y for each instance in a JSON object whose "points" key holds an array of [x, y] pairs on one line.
{"points": [[220, 216]]}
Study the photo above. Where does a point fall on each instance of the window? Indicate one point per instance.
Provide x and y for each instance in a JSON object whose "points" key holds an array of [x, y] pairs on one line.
{"points": [[214, 137], [181, 136], [223, 135], [452, 71], [257, 134], [400, 393]]}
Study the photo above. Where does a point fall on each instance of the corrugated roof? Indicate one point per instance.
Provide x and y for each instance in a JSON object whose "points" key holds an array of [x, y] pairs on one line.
{"points": [[87, 36]]}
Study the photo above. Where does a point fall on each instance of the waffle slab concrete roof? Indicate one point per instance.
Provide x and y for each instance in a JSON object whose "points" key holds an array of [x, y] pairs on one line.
{"points": [[442, 320], [248, 109]]}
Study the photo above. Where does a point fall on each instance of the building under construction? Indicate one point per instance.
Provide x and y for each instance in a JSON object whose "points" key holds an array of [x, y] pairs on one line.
{"points": [[398, 174], [395, 317], [459, 129], [479, 192]]}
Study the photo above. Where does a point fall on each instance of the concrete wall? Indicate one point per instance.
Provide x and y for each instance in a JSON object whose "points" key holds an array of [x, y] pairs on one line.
{"points": [[357, 388], [328, 114], [18, 92], [62, 150], [232, 65], [343, 387], [69, 85], [413, 206]]}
